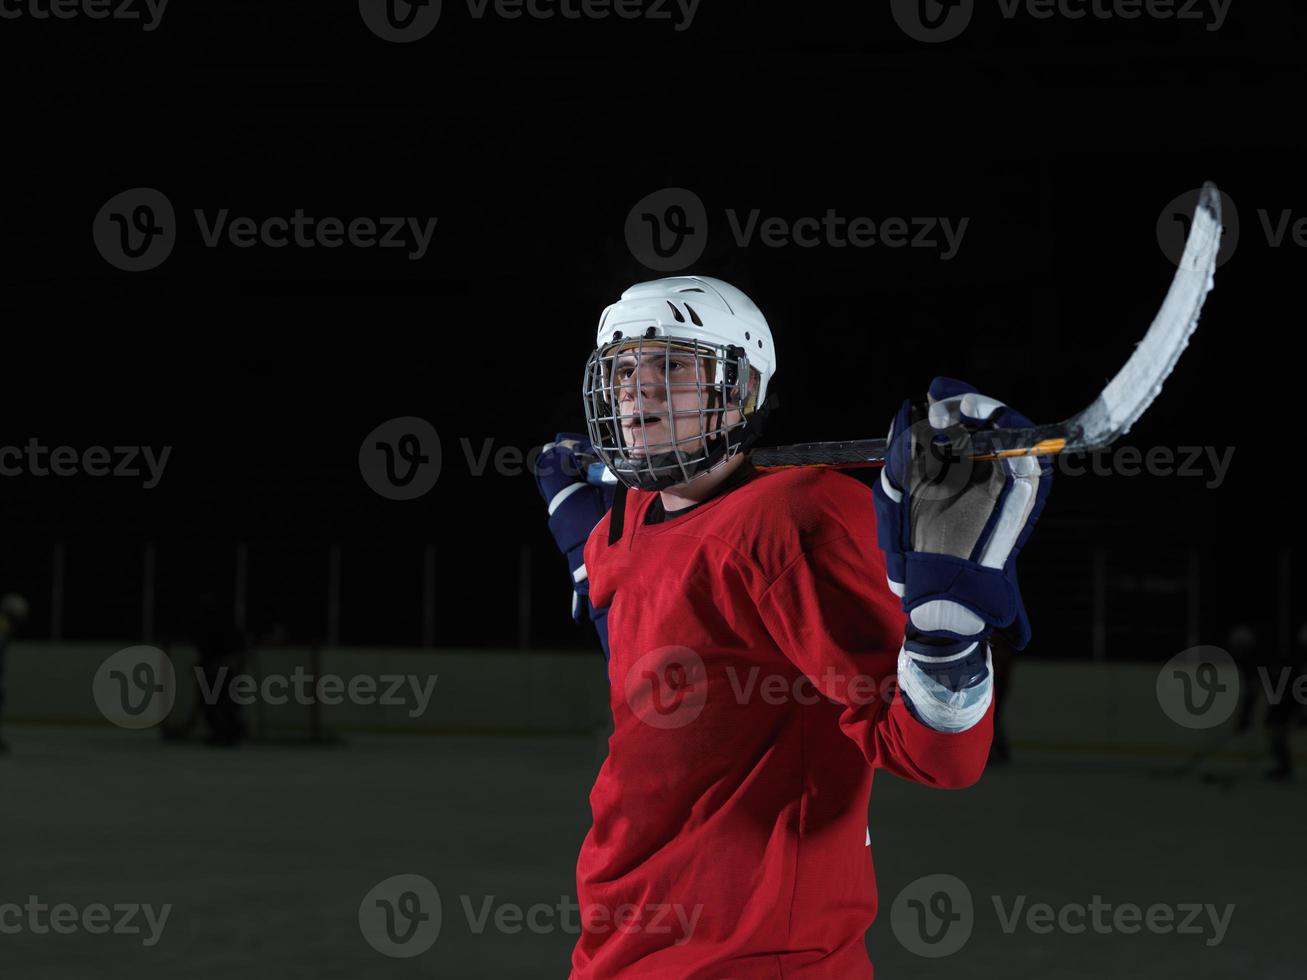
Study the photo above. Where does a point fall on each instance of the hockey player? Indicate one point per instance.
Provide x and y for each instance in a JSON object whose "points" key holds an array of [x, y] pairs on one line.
{"points": [[760, 661], [13, 612]]}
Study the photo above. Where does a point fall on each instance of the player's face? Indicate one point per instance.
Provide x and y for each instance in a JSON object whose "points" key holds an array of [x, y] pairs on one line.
{"points": [[664, 397]]}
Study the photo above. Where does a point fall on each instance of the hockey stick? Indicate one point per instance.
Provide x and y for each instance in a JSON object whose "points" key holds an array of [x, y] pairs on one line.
{"points": [[1110, 415]]}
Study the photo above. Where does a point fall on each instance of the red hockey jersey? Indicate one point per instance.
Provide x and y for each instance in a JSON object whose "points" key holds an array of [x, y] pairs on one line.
{"points": [[753, 647]]}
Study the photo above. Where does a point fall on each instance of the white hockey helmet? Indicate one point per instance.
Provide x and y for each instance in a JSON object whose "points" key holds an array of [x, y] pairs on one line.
{"points": [[726, 333]]}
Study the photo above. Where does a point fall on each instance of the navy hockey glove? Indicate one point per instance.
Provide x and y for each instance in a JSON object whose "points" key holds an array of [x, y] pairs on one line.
{"points": [[575, 507], [951, 529]]}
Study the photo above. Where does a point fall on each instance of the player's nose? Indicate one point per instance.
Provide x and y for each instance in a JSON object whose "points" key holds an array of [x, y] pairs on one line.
{"points": [[649, 385]]}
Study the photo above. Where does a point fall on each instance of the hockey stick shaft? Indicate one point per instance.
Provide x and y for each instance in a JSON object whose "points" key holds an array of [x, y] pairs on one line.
{"points": [[1044, 440]]}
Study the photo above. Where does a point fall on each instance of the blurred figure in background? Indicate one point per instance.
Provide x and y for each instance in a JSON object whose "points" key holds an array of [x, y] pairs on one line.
{"points": [[1267, 675], [220, 649], [1251, 659], [1284, 707], [13, 612]]}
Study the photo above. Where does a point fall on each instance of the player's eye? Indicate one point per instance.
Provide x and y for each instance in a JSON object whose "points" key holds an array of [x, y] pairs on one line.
{"points": [[625, 371]]}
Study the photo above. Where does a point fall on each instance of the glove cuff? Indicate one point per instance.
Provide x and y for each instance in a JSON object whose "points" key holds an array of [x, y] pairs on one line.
{"points": [[987, 592]]}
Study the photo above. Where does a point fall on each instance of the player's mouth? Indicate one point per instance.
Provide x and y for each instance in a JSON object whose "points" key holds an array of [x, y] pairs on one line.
{"points": [[638, 432]]}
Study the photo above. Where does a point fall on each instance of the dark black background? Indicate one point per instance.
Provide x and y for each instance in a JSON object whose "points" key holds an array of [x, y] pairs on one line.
{"points": [[531, 140]]}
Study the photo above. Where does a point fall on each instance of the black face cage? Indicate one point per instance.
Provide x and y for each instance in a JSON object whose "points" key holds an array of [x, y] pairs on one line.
{"points": [[640, 393]]}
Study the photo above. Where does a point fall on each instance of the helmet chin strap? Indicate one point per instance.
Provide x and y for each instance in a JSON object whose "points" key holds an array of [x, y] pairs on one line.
{"points": [[666, 470], [757, 422]]}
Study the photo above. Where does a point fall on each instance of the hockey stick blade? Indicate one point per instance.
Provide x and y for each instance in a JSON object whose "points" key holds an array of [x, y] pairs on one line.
{"points": [[1113, 412]]}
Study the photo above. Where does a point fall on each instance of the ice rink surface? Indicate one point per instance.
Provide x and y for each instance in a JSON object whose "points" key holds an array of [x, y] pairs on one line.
{"points": [[265, 854]]}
